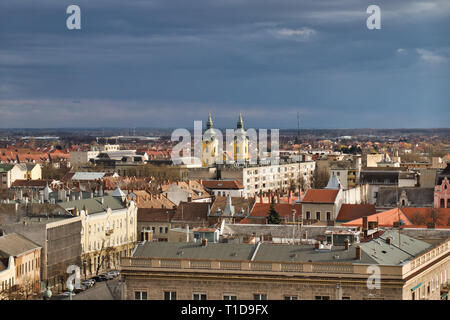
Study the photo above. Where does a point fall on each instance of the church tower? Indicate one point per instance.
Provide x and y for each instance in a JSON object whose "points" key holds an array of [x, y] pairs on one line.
{"points": [[240, 142], [210, 145]]}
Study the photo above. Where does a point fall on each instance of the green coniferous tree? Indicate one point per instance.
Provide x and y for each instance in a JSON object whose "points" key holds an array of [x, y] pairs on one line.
{"points": [[273, 217]]}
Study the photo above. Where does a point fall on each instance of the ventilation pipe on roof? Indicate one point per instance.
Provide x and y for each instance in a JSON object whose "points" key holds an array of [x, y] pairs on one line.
{"points": [[388, 240], [347, 244], [204, 242], [365, 225], [358, 252]]}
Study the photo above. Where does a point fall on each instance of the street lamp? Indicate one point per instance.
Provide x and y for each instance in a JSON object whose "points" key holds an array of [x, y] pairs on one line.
{"points": [[47, 294], [70, 288]]}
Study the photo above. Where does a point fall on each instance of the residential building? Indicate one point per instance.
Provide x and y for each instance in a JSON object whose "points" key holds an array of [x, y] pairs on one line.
{"points": [[408, 270], [57, 232], [321, 205], [224, 188], [22, 258], [108, 232], [442, 194], [154, 221], [391, 197]]}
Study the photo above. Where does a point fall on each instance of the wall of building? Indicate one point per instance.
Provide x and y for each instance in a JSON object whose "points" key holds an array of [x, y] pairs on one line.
{"points": [[8, 276], [160, 229], [274, 289], [106, 237], [63, 248], [323, 208], [28, 270]]}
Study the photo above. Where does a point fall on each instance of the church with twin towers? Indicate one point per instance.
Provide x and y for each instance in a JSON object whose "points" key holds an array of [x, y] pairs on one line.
{"points": [[211, 152]]}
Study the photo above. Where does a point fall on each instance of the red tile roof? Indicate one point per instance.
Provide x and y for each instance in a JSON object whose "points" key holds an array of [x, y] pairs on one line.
{"points": [[384, 219], [423, 216], [321, 195], [221, 184], [355, 211]]}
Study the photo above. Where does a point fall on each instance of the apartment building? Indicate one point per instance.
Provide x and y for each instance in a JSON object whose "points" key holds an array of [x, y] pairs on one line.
{"points": [[258, 178], [12, 172], [409, 269], [108, 230], [20, 265]]}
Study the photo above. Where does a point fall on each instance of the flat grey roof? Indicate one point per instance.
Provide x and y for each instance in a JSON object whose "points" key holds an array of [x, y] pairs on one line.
{"points": [[376, 251]]}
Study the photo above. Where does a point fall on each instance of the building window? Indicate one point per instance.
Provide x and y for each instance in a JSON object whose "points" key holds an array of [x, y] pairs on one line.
{"points": [[170, 295], [308, 215], [259, 296], [322, 298], [166, 229], [199, 296], [328, 216], [160, 229], [229, 297], [290, 298], [140, 295], [318, 215]]}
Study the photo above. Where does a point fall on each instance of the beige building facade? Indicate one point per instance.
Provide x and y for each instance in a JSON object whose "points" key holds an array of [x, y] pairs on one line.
{"points": [[276, 278]]}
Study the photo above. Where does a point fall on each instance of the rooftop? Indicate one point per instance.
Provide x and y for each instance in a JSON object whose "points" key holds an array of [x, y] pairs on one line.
{"points": [[376, 251], [15, 244], [320, 195], [94, 205]]}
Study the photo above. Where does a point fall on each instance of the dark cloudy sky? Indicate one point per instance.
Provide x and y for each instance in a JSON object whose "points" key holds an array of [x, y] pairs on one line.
{"points": [[166, 63]]}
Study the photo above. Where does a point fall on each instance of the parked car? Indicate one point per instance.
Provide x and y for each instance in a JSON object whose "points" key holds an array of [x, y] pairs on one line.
{"points": [[81, 289], [100, 278], [108, 276], [115, 273], [88, 283], [112, 274], [67, 293]]}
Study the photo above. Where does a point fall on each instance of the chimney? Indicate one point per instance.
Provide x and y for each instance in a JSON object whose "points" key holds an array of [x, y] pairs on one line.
{"points": [[388, 240], [365, 225], [317, 245], [289, 196], [261, 198], [347, 244], [358, 252], [278, 197], [189, 199], [187, 233], [204, 242]]}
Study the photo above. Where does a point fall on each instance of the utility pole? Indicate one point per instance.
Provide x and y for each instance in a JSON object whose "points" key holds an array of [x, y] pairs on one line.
{"points": [[293, 226]]}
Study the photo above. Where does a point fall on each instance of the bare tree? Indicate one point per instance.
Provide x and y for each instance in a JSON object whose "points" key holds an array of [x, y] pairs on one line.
{"points": [[320, 179]]}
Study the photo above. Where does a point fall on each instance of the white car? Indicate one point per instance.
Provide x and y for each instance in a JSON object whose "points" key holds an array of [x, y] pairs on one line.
{"points": [[112, 274], [67, 293]]}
